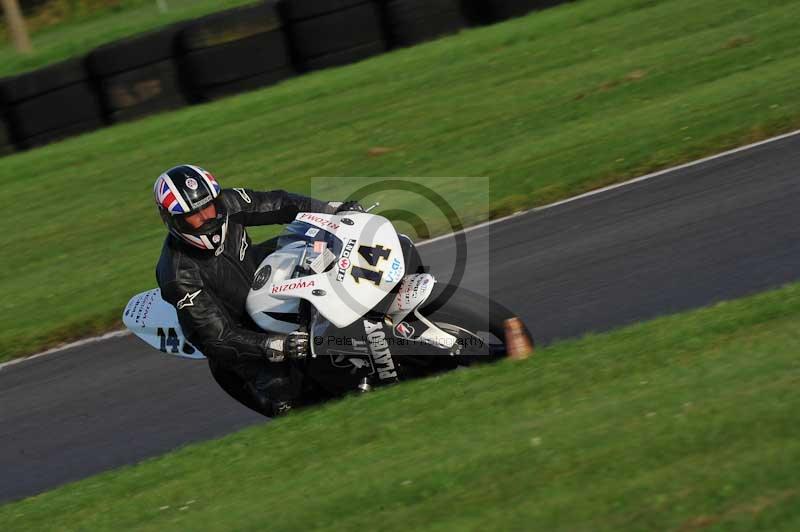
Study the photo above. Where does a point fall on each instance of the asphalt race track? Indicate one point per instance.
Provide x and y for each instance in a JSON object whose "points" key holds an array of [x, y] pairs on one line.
{"points": [[717, 230]]}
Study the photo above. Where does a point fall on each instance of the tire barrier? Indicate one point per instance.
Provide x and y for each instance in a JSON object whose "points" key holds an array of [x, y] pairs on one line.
{"points": [[6, 144], [480, 12], [30, 6], [138, 76], [328, 33], [234, 51], [409, 22], [221, 54], [55, 102]]}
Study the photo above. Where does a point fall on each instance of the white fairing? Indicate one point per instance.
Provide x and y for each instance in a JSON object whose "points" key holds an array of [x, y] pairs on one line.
{"points": [[360, 241], [338, 295], [282, 263], [155, 321]]}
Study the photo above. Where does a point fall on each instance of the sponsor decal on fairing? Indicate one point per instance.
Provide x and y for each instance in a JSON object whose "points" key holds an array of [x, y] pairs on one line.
{"points": [[344, 259], [355, 360], [324, 222], [395, 272], [403, 330], [139, 308], [293, 285], [412, 291], [379, 350], [261, 278]]}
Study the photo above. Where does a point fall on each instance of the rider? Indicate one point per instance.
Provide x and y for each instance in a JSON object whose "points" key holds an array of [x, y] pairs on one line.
{"points": [[207, 266]]}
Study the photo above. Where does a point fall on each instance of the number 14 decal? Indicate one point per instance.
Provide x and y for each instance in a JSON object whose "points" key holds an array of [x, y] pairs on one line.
{"points": [[373, 255], [171, 342], [169, 339]]}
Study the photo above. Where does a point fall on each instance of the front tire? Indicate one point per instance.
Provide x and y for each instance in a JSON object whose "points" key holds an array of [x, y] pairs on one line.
{"points": [[451, 306]]}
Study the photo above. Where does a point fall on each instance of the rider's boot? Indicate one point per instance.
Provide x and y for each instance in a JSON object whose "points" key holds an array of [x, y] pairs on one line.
{"points": [[272, 387]]}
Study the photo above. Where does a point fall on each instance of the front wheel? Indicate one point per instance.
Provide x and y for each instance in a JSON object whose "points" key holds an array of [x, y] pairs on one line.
{"points": [[468, 316]]}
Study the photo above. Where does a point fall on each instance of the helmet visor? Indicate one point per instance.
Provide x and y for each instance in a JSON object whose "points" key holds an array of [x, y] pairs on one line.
{"points": [[197, 224]]}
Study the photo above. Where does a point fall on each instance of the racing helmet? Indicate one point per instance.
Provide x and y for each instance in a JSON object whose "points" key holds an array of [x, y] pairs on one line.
{"points": [[185, 190]]}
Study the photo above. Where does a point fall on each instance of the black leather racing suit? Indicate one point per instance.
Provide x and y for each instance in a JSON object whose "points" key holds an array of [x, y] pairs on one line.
{"points": [[209, 289]]}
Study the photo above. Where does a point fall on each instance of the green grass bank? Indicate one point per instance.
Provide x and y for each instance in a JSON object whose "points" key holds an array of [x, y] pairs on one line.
{"points": [[683, 423], [546, 106], [61, 32]]}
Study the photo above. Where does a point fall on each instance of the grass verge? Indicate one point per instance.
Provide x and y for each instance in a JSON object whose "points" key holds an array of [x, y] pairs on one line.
{"points": [[685, 422], [546, 106], [79, 35]]}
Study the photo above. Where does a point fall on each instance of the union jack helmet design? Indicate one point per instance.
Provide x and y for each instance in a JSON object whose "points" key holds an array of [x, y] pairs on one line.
{"points": [[186, 190]]}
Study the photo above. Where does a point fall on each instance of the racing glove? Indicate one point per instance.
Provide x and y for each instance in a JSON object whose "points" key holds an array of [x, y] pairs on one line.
{"points": [[293, 345], [349, 206], [296, 345]]}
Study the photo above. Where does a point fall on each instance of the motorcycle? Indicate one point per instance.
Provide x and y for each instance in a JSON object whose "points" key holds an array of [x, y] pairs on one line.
{"points": [[374, 314]]}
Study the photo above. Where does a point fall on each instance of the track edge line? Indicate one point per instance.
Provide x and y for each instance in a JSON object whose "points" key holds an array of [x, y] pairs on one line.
{"points": [[658, 173]]}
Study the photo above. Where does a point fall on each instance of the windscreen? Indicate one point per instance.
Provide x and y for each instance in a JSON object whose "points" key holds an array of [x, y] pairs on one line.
{"points": [[322, 247]]}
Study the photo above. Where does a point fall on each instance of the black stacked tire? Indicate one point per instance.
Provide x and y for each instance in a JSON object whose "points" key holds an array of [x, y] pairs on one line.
{"points": [[6, 144], [409, 22], [328, 33], [29, 7], [138, 76], [49, 104], [234, 51], [479, 12]]}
